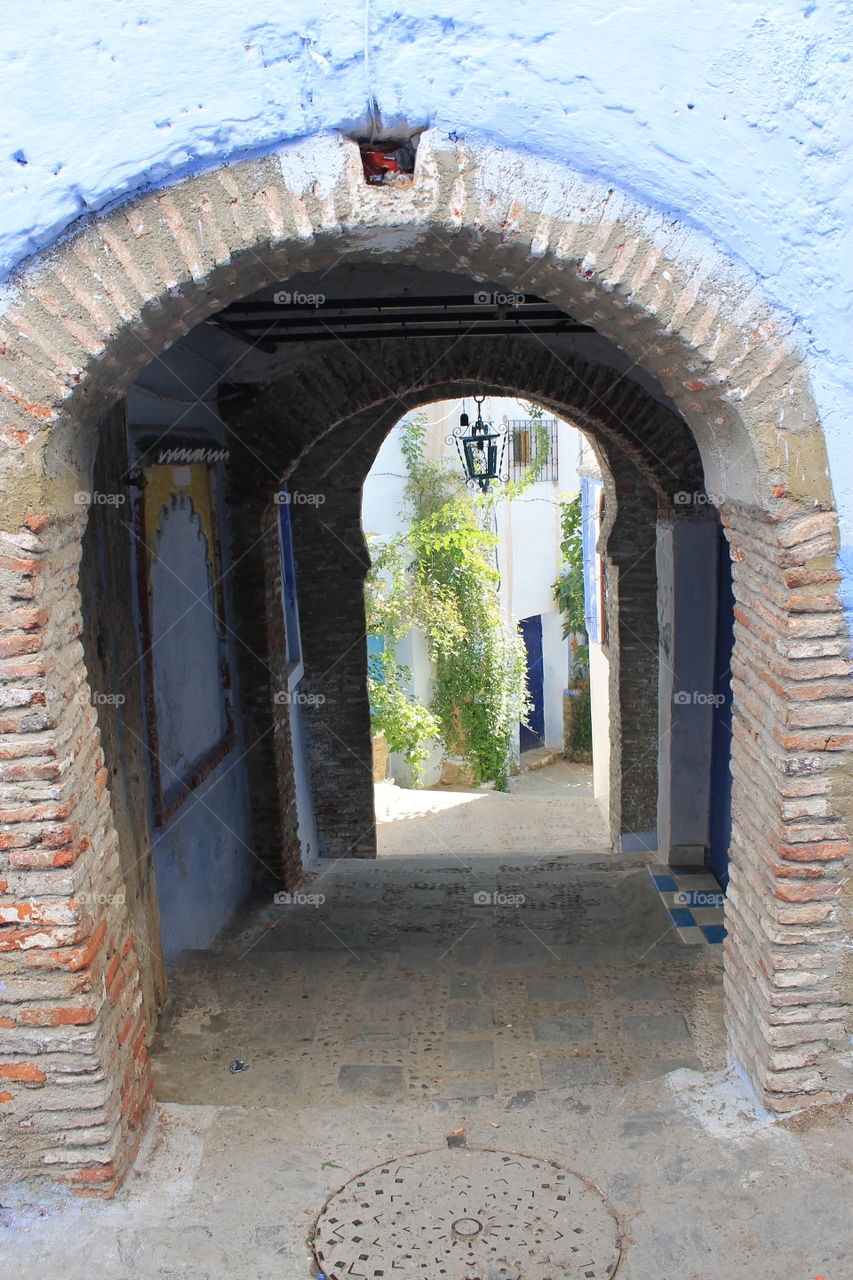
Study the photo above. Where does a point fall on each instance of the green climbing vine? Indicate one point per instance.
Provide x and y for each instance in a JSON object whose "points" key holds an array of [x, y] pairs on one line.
{"points": [[568, 589], [442, 573], [569, 594], [409, 727]]}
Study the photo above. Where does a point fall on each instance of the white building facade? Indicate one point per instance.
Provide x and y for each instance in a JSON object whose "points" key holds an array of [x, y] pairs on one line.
{"points": [[527, 554]]}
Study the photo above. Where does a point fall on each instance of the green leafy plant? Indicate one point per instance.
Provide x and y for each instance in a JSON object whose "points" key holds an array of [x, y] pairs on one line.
{"points": [[409, 727], [442, 573], [569, 594], [569, 587], [579, 743]]}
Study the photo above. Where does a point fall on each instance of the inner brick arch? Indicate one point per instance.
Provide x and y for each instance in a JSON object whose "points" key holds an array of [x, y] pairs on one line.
{"points": [[333, 625], [648, 454], [81, 321]]}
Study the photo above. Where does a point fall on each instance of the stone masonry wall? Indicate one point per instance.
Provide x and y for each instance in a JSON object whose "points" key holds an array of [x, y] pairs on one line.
{"points": [[76, 328], [75, 1083], [787, 917]]}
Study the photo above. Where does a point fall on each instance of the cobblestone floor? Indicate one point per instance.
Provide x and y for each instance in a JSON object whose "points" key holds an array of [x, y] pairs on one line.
{"points": [[435, 978], [549, 808], [403, 1015]]}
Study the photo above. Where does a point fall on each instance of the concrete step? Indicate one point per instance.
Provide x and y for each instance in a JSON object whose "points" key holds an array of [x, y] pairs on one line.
{"points": [[538, 758]]}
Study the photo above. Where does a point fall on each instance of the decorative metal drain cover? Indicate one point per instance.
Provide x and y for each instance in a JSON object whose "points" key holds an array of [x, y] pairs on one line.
{"points": [[467, 1215]]}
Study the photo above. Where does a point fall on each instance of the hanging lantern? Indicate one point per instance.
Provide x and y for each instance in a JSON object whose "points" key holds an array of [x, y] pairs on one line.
{"points": [[480, 449]]}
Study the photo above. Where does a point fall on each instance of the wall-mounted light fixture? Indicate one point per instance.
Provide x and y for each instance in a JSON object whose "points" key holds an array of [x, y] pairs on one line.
{"points": [[480, 449]]}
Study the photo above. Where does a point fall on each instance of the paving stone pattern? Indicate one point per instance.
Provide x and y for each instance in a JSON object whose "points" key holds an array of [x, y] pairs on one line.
{"points": [[401, 985]]}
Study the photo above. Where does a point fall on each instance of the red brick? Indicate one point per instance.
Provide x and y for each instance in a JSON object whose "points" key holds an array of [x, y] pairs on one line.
{"points": [[97, 1173], [814, 851], [13, 645], [26, 1072], [82, 957]]}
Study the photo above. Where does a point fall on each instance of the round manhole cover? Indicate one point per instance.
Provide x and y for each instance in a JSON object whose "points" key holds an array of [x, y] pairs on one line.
{"points": [[467, 1215]]}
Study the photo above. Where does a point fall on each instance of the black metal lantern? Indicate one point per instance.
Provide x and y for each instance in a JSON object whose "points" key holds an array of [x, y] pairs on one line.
{"points": [[480, 449]]}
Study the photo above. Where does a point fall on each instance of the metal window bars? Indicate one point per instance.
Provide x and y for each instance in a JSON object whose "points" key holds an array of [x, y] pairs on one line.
{"points": [[532, 443]]}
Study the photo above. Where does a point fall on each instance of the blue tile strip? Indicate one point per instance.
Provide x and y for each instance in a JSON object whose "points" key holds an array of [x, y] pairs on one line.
{"points": [[681, 916], [694, 902], [665, 884]]}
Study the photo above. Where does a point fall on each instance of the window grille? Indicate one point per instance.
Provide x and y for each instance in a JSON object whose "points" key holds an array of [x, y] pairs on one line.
{"points": [[532, 443]]}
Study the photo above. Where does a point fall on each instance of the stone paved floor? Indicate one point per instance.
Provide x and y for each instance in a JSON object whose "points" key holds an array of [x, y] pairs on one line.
{"points": [[564, 778], [435, 978], [403, 1015], [546, 809]]}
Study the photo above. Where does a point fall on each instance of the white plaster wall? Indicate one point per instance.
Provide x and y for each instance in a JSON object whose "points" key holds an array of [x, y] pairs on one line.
{"points": [[528, 552], [555, 676], [731, 116], [599, 684], [382, 493]]}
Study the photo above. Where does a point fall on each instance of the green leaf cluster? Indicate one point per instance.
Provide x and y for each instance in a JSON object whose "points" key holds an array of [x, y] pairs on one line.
{"points": [[441, 576], [568, 588]]}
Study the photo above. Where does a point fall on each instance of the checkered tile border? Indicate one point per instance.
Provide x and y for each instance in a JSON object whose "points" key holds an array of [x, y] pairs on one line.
{"points": [[694, 901]]}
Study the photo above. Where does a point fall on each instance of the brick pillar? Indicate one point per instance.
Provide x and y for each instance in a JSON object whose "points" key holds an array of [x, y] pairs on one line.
{"points": [[261, 668], [331, 564], [74, 1074], [792, 738], [629, 540]]}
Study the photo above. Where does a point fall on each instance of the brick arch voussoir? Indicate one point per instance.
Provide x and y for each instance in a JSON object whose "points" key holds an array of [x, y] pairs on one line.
{"points": [[78, 323], [284, 419]]}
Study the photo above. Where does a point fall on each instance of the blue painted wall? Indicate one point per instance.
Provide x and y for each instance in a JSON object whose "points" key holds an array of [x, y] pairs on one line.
{"points": [[202, 854], [729, 116]]}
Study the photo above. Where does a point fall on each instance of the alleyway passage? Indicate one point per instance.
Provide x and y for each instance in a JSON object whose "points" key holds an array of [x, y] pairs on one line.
{"points": [[464, 1007]]}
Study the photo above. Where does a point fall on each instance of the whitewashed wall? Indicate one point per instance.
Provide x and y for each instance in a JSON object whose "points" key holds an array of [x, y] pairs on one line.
{"points": [[528, 552], [730, 117]]}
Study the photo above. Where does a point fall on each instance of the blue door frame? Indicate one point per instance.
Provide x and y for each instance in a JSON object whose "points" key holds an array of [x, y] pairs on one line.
{"points": [[721, 741], [532, 734]]}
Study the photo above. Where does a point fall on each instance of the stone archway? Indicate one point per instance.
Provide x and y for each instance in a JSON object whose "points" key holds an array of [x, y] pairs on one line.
{"points": [[648, 454], [81, 321]]}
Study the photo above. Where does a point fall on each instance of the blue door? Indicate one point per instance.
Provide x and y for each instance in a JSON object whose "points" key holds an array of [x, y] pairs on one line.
{"points": [[533, 734], [721, 742]]}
